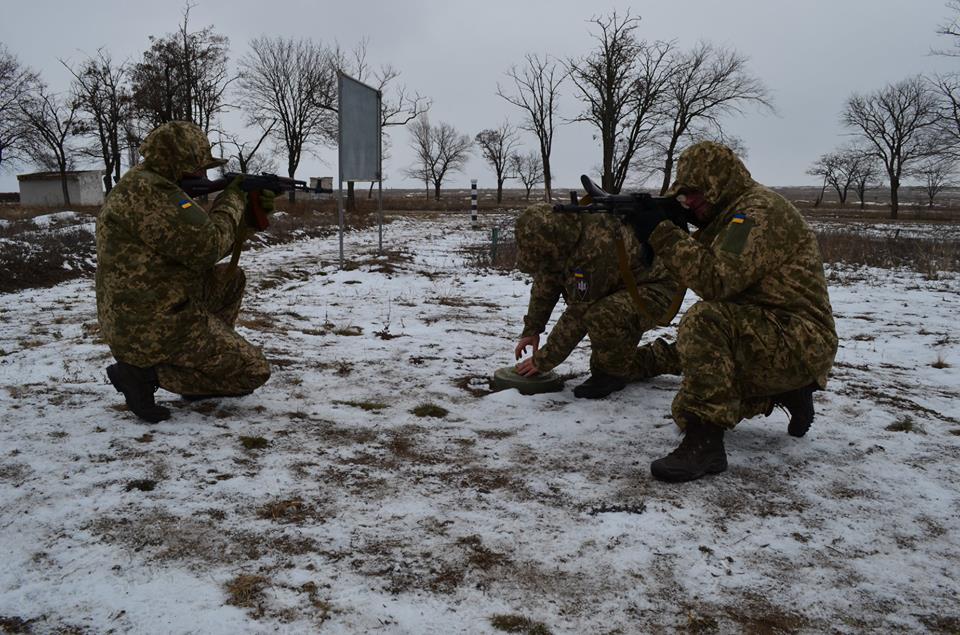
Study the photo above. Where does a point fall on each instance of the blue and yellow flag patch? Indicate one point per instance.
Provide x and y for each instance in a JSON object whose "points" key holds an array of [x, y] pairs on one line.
{"points": [[738, 218], [186, 204]]}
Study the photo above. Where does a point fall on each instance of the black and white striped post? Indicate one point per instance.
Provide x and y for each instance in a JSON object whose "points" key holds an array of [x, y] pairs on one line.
{"points": [[473, 203]]}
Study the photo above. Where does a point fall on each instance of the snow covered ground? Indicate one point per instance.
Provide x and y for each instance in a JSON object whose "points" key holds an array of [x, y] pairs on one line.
{"points": [[330, 501]]}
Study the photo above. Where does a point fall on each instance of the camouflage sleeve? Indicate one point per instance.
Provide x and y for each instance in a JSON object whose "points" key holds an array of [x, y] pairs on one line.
{"points": [[544, 294], [184, 232], [564, 337], [750, 246]]}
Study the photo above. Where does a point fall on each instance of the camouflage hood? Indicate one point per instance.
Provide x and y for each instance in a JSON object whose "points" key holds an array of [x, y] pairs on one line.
{"points": [[713, 169], [177, 148], [545, 238]]}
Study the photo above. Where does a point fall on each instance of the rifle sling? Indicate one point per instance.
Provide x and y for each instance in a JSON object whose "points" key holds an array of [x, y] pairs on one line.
{"points": [[626, 274], [242, 234]]}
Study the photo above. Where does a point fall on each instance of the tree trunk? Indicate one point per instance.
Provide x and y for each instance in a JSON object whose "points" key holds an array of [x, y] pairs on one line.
{"points": [[436, 191], [66, 191], [351, 198], [499, 191], [547, 194], [667, 171], [606, 179], [823, 189], [291, 170], [894, 197]]}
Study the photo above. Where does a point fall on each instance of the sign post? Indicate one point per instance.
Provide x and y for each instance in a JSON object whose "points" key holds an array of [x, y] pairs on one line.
{"points": [[360, 144]]}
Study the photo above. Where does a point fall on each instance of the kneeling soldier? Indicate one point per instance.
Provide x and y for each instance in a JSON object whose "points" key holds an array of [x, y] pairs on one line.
{"points": [[165, 307], [763, 334], [576, 256]]}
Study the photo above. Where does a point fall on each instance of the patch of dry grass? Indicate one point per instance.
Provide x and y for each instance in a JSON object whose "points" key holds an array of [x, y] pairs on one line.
{"points": [[925, 256], [430, 410], [510, 623], [247, 591]]}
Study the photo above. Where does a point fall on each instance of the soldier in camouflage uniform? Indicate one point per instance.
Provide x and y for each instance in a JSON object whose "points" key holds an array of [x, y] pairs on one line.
{"points": [[763, 333], [165, 307], [574, 256]]}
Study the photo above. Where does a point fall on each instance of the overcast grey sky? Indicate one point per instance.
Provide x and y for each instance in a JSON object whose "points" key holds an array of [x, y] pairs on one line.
{"points": [[812, 54]]}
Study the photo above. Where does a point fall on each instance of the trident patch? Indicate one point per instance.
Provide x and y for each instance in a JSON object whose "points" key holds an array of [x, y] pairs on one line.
{"points": [[581, 283]]}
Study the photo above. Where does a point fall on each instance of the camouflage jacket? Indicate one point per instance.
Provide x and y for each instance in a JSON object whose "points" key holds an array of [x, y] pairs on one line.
{"points": [[575, 257], [156, 248], [756, 250]]}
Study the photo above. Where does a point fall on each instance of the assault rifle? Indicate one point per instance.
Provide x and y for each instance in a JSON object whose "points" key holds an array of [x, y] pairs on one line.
{"points": [[598, 201], [626, 206], [253, 184]]}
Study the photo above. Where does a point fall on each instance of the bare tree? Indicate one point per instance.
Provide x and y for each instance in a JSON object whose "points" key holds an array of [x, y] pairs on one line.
{"points": [[825, 167], [528, 168], [182, 76], [246, 156], [105, 107], [839, 170], [440, 150], [951, 28], [934, 174], [537, 87], [51, 120], [496, 146], [866, 173], [16, 81], [705, 84], [899, 122], [947, 88], [293, 82], [621, 83]]}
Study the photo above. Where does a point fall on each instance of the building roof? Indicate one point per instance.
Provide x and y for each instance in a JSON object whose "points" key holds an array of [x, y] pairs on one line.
{"points": [[46, 176]]}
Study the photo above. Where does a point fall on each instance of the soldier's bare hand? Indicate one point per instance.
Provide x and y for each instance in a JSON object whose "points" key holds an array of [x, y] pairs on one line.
{"points": [[527, 368], [532, 341]]}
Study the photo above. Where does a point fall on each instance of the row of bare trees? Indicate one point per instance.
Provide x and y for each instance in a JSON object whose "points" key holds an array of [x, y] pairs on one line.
{"points": [[646, 100], [441, 150], [906, 129], [285, 88]]}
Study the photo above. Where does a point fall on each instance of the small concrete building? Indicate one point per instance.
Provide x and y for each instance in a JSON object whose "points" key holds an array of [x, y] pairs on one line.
{"points": [[322, 182], [43, 189]]}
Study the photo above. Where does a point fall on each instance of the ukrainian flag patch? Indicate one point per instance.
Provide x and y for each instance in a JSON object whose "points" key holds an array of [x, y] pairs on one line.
{"points": [[186, 204], [734, 236]]}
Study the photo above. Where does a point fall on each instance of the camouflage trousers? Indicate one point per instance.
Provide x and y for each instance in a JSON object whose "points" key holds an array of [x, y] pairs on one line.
{"points": [[214, 359], [734, 358], [614, 327], [659, 357]]}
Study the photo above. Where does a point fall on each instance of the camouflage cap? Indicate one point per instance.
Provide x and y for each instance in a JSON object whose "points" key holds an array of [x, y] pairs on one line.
{"points": [[715, 170], [177, 148], [545, 238]]}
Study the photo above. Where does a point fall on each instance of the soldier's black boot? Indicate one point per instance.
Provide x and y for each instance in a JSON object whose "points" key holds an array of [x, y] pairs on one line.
{"points": [[599, 385], [701, 452], [799, 404], [138, 385]]}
